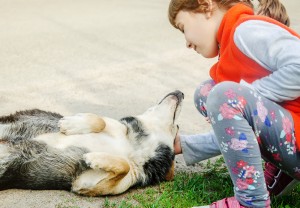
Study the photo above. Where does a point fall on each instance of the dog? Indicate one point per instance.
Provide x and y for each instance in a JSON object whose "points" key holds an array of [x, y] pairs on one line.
{"points": [[88, 154]]}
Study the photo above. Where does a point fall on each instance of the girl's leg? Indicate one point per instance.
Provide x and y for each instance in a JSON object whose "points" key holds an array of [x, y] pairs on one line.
{"points": [[271, 124], [232, 109], [279, 118]]}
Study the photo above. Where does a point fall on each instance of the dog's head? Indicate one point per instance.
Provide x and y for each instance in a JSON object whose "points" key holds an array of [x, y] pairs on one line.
{"points": [[158, 122], [154, 132], [163, 116]]}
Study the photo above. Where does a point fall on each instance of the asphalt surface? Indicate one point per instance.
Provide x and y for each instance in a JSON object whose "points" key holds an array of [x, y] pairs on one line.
{"points": [[114, 58]]}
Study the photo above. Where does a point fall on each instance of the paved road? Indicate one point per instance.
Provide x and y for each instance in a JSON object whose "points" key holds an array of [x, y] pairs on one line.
{"points": [[114, 58]]}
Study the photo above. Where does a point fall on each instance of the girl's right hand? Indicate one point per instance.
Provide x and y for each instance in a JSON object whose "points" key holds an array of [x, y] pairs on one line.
{"points": [[177, 145], [207, 119]]}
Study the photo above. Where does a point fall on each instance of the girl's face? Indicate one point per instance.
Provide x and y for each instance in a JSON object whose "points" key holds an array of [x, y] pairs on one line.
{"points": [[200, 31]]}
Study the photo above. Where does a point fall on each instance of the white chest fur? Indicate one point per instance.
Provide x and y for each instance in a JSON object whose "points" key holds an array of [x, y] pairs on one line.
{"points": [[94, 142]]}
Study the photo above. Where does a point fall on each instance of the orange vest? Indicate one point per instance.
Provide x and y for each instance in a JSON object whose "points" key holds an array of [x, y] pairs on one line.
{"points": [[233, 65]]}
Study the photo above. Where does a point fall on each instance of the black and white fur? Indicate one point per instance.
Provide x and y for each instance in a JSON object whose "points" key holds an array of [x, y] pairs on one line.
{"points": [[86, 153]]}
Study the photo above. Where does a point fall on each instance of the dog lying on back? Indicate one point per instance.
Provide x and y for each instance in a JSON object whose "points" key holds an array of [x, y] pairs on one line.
{"points": [[86, 153]]}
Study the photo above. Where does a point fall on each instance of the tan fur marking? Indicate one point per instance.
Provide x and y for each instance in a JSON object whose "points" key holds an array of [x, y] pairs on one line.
{"points": [[3, 142], [107, 162], [97, 123], [106, 187], [117, 166], [170, 174]]}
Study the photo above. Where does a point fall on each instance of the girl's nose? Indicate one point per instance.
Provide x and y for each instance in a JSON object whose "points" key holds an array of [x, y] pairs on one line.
{"points": [[188, 45]]}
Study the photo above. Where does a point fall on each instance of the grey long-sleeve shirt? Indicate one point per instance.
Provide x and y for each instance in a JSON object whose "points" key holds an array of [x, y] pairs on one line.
{"points": [[276, 50]]}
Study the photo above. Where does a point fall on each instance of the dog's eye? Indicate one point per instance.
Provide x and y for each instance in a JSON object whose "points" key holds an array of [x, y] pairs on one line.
{"points": [[134, 126]]}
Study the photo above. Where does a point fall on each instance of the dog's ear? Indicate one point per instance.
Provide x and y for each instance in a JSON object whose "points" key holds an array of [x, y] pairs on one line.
{"points": [[170, 174]]}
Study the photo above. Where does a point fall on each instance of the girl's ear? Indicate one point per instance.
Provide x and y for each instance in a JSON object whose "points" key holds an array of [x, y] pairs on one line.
{"points": [[208, 14], [209, 4]]}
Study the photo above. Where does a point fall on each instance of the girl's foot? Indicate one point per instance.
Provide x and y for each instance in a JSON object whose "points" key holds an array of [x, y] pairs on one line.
{"points": [[278, 182], [230, 202]]}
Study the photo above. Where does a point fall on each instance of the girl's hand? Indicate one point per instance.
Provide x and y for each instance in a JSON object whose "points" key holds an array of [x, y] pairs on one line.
{"points": [[207, 119], [177, 145]]}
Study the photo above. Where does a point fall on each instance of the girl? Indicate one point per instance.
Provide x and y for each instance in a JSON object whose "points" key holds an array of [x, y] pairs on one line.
{"points": [[252, 100]]}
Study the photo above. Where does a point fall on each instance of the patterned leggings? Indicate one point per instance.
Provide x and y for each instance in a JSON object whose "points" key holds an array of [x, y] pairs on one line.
{"points": [[249, 127]]}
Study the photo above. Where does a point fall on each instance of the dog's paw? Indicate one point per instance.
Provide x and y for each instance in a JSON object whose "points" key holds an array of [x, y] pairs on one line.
{"points": [[91, 160], [81, 123], [76, 124]]}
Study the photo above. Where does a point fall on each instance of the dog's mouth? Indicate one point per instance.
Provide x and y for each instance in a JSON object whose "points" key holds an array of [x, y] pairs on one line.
{"points": [[179, 96]]}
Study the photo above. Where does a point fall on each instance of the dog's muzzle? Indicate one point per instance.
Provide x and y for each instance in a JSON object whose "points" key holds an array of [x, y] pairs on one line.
{"points": [[178, 94]]}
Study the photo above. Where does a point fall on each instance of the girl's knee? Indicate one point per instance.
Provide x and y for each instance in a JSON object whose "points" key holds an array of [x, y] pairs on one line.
{"points": [[203, 89], [200, 95], [220, 93]]}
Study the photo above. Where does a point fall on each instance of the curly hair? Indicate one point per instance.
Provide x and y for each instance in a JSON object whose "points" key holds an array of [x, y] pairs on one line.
{"points": [[270, 8]]}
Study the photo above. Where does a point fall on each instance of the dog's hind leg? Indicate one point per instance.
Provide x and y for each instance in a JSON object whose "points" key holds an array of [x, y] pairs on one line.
{"points": [[114, 175], [82, 123]]}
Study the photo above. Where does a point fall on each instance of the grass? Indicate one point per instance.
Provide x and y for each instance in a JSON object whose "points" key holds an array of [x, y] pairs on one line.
{"points": [[193, 189]]}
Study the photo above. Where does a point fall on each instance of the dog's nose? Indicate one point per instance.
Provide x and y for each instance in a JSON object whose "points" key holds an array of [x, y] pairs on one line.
{"points": [[179, 95]]}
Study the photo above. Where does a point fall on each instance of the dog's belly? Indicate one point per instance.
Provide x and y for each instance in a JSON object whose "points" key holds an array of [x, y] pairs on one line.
{"points": [[94, 142]]}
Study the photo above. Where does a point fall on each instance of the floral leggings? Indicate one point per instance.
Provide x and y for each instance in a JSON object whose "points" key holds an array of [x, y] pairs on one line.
{"points": [[249, 127]]}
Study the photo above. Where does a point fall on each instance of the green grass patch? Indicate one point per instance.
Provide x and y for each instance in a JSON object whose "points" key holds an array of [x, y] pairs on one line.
{"points": [[194, 189]]}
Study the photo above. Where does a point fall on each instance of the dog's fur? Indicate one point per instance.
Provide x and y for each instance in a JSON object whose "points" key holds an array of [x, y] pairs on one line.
{"points": [[86, 153]]}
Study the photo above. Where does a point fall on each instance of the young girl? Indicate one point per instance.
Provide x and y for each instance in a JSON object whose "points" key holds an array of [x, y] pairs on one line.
{"points": [[252, 100]]}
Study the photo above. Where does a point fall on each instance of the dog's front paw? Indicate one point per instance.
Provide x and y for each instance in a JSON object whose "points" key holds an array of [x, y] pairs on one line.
{"points": [[70, 125], [91, 160], [81, 123]]}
